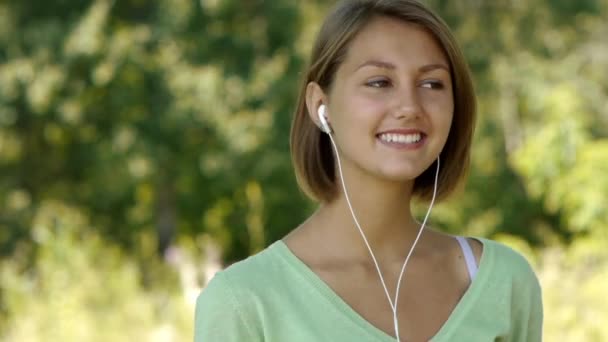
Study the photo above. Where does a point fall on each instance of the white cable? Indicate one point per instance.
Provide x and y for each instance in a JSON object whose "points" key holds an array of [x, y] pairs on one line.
{"points": [[428, 212], [393, 305]]}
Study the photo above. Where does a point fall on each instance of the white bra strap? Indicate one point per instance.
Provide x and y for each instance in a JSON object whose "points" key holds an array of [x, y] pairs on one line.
{"points": [[468, 256]]}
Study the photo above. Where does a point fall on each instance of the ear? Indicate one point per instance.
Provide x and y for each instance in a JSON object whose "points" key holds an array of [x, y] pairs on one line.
{"points": [[315, 97]]}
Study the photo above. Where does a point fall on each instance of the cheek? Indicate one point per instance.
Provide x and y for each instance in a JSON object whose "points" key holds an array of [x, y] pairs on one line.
{"points": [[441, 109], [362, 109]]}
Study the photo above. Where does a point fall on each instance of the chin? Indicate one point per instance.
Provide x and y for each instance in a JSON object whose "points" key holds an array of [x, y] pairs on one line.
{"points": [[402, 167], [401, 175], [394, 172]]}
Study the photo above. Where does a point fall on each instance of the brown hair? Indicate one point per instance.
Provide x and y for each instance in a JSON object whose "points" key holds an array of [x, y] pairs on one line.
{"points": [[310, 148]]}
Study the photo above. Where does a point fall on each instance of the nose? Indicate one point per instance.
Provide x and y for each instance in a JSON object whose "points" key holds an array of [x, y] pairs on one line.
{"points": [[407, 105]]}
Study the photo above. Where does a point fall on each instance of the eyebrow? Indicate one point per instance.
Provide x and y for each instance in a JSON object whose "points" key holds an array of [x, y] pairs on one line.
{"points": [[436, 66], [378, 64], [390, 66]]}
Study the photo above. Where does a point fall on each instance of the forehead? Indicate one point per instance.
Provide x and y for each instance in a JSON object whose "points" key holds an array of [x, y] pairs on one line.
{"points": [[395, 41]]}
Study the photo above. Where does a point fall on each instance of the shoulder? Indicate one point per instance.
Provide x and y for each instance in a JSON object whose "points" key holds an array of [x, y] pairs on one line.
{"points": [[245, 280], [229, 307], [505, 255], [256, 270], [512, 273], [508, 264]]}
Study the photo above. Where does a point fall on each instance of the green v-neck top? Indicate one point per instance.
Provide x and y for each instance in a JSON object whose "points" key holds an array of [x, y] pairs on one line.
{"points": [[274, 297]]}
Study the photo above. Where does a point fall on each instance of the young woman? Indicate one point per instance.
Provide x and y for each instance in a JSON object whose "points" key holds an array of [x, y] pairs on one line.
{"points": [[385, 115]]}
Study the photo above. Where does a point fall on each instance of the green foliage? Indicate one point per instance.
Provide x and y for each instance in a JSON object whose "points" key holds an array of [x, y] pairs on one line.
{"points": [[542, 126], [79, 287], [574, 291], [166, 122], [147, 114]]}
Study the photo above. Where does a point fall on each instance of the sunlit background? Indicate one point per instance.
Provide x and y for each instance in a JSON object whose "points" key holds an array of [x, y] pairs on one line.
{"points": [[144, 145]]}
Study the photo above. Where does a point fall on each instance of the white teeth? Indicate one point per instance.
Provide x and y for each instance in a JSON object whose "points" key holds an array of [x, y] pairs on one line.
{"points": [[401, 138]]}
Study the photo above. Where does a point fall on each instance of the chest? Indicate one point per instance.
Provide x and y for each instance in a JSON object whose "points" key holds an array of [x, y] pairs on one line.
{"points": [[428, 294]]}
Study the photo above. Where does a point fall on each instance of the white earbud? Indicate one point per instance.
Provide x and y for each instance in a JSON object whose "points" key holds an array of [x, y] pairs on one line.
{"points": [[323, 119]]}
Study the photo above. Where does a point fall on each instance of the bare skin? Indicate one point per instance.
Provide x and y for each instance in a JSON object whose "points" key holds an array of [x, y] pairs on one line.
{"points": [[435, 279], [404, 91]]}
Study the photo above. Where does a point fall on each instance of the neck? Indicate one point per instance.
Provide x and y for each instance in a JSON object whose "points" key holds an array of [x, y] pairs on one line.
{"points": [[384, 215]]}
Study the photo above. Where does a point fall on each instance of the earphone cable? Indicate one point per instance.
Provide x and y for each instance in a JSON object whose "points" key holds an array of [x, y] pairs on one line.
{"points": [[393, 305]]}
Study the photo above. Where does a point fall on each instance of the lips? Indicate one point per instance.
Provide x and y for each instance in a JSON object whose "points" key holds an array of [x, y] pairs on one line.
{"points": [[403, 138]]}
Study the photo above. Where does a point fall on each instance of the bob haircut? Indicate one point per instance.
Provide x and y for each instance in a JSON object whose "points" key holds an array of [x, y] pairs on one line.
{"points": [[311, 150]]}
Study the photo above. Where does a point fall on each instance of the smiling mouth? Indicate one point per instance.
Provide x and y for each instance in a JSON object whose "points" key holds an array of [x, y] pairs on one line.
{"points": [[401, 139]]}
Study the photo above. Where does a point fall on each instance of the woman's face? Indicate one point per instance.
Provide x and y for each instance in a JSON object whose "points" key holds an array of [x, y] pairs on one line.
{"points": [[391, 103]]}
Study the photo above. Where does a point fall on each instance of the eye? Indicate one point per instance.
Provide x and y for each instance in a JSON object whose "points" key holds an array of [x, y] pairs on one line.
{"points": [[378, 83], [437, 85]]}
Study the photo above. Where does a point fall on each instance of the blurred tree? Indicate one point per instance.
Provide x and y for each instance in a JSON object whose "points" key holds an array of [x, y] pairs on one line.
{"points": [[79, 282], [149, 115], [542, 123], [173, 116]]}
